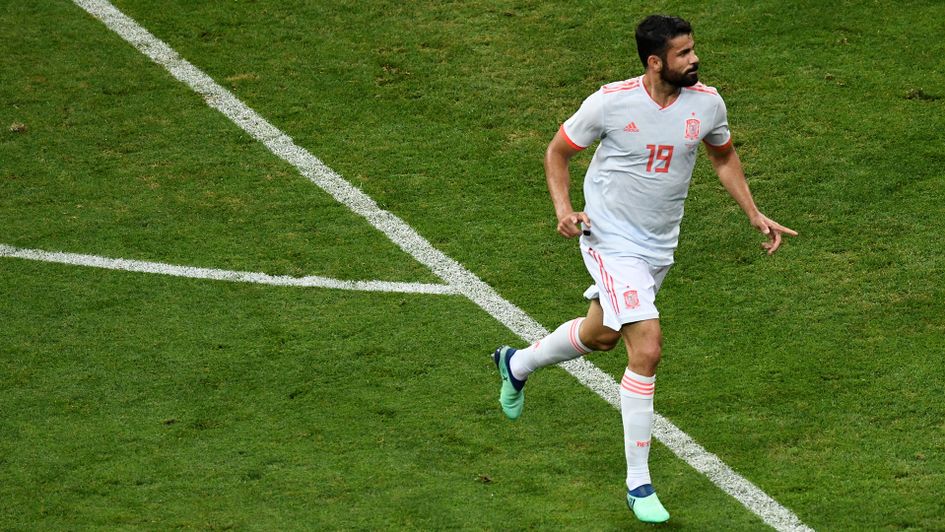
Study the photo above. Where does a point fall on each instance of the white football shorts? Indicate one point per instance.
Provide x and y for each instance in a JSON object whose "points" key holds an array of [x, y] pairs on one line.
{"points": [[625, 286]]}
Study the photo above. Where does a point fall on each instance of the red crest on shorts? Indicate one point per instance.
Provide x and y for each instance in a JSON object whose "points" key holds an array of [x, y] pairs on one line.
{"points": [[630, 299], [692, 129]]}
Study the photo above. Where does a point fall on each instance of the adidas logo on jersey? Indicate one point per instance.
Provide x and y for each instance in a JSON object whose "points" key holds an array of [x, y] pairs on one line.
{"points": [[632, 128]]}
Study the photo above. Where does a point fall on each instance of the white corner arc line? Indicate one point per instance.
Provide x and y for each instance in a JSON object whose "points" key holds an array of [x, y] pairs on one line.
{"points": [[453, 273], [193, 272]]}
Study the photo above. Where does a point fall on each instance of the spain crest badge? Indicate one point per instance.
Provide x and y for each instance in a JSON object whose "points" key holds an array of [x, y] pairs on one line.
{"points": [[692, 129]]}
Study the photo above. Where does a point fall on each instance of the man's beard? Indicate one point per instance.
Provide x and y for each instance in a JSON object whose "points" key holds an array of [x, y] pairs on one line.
{"points": [[679, 80]]}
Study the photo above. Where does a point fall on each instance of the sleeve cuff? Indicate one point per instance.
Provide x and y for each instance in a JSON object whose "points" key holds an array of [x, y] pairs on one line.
{"points": [[564, 135], [719, 149]]}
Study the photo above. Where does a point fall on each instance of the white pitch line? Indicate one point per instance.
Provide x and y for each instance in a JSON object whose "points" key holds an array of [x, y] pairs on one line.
{"points": [[193, 272], [464, 281]]}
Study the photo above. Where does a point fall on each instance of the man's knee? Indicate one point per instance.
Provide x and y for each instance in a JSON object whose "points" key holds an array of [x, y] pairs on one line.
{"points": [[647, 354], [644, 347]]}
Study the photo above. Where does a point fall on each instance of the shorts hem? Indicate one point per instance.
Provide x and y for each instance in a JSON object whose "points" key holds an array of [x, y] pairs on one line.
{"points": [[625, 320]]}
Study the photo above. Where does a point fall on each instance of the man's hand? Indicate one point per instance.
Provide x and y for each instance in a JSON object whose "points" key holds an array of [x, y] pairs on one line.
{"points": [[568, 224], [772, 230]]}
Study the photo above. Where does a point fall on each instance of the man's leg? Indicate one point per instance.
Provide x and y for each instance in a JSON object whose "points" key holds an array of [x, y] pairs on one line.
{"points": [[644, 341], [570, 340]]}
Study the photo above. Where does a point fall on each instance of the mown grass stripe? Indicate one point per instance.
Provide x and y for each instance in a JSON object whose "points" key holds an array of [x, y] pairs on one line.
{"points": [[453, 273], [193, 272]]}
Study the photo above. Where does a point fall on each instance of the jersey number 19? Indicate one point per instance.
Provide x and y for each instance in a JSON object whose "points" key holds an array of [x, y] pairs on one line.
{"points": [[661, 155]]}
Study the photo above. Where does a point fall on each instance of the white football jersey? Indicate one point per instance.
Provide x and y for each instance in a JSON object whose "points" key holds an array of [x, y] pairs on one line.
{"points": [[638, 180]]}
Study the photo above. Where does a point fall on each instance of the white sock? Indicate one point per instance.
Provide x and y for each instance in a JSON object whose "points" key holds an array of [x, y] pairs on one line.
{"points": [[636, 408], [563, 344]]}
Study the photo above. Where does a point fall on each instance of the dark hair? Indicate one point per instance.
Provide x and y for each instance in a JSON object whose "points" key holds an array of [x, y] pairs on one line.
{"points": [[655, 32]]}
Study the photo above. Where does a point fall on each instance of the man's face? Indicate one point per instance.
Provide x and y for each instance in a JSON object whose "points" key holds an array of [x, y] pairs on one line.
{"points": [[681, 67]]}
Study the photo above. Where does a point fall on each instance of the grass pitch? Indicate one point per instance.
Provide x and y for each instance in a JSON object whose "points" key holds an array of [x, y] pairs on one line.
{"points": [[144, 401]]}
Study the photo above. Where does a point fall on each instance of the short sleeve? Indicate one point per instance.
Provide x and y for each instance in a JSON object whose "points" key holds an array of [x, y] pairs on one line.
{"points": [[585, 126], [719, 137]]}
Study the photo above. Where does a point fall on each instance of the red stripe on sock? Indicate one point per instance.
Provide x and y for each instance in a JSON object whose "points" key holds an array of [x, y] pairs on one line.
{"points": [[644, 385], [574, 336], [636, 390], [634, 386]]}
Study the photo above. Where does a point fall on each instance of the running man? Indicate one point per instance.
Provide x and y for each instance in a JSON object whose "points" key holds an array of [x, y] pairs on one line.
{"points": [[649, 128]]}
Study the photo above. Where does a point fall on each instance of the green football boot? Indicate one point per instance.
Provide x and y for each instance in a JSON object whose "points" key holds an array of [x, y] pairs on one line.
{"points": [[648, 507], [511, 396]]}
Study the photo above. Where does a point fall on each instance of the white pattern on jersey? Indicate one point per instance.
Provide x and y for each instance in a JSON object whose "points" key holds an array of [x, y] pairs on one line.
{"points": [[638, 180]]}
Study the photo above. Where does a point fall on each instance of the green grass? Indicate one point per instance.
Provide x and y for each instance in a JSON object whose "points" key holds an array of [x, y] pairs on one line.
{"points": [[132, 400]]}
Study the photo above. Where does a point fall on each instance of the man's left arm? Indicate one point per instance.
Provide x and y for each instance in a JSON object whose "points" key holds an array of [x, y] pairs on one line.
{"points": [[729, 169]]}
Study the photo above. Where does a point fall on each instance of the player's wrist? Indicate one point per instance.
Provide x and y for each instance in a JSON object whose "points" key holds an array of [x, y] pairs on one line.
{"points": [[564, 213], [754, 214]]}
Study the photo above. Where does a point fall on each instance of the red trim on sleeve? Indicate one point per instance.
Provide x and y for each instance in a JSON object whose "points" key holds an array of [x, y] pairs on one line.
{"points": [[719, 149], [573, 144]]}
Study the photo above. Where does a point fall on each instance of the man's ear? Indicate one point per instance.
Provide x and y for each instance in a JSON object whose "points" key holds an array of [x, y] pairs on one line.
{"points": [[654, 63]]}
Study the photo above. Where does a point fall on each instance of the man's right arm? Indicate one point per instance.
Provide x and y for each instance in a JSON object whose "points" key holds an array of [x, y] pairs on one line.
{"points": [[557, 156]]}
